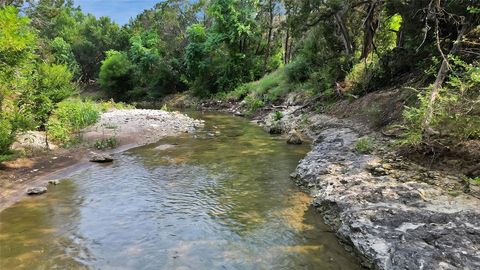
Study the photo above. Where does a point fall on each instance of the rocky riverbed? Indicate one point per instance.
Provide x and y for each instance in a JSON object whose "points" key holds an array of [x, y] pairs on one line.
{"points": [[395, 214], [140, 126]]}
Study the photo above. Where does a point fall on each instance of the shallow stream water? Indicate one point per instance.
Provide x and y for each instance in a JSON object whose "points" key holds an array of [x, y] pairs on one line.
{"points": [[217, 199]]}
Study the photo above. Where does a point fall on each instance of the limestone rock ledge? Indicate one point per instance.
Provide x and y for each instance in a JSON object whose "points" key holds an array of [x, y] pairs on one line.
{"points": [[385, 210]]}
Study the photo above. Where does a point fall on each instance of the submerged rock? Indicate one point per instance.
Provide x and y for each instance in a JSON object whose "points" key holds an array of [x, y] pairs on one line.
{"points": [[53, 182], [164, 147], [100, 157], [294, 137], [36, 190], [274, 129]]}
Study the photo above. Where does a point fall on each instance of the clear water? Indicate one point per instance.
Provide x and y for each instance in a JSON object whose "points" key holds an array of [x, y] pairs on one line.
{"points": [[219, 199]]}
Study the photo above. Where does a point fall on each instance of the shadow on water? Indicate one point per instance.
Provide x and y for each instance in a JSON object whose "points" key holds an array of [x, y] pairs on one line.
{"points": [[217, 199]]}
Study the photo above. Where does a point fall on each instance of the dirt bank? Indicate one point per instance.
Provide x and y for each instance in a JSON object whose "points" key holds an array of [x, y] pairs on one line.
{"points": [[130, 128]]}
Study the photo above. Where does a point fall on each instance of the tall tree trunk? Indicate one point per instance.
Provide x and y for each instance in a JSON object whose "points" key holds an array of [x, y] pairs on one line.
{"points": [[441, 75], [370, 28], [287, 36], [400, 37], [347, 41], [290, 50], [269, 36]]}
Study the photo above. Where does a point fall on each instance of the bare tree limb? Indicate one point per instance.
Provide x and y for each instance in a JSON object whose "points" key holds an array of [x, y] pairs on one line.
{"points": [[441, 75]]}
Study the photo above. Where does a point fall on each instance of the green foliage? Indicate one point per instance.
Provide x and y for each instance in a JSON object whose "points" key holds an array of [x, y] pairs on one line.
{"points": [[475, 180], [53, 84], [456, 110], [238, 94], [88, 37], [69, 118], [63, 55], [253, 103], [115, 74], [105, 143], [7, 136], [96, 37], [269, 88], [17, 80], [277, 116], [298, 70], [364, 146], [358, 79], [220, 58], [16, 37], [318, 64]]}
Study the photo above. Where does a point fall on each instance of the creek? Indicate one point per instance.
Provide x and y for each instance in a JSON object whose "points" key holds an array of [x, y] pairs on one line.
{"points": [[220, 198]]}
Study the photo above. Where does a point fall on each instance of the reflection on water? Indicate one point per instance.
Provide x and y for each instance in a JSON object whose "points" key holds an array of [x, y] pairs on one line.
{"points": [[219, 199]]}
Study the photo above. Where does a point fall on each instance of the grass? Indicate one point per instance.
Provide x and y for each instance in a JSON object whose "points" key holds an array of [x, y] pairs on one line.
{"points": [[364, 146], [268, 89], [105, 143], [474, 181], [74, 114]]}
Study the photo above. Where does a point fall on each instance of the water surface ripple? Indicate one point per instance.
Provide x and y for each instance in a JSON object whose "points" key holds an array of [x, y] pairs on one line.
{"points": [[219, 199]]}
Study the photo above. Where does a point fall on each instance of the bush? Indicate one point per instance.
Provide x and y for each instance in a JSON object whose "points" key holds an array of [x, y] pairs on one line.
{"points": [[7, 136], [52, 85], [63, 55], [253, 103], [364, 146], [105, 143], [55, 82], [298, 70], [278, 115], [116, 74], [456, 111], [70, 117]]}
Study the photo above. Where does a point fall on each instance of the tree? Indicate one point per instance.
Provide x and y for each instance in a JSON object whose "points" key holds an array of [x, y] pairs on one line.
{"points": [[17, 63], [63, 55], [53, 83], [115, 74]]}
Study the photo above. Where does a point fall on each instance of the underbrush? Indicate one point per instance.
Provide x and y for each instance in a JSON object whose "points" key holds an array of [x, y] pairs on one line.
{"points": [[257, 94], [364, 146], [456, 112], [72, 115], [270, 88], [105, 143]]}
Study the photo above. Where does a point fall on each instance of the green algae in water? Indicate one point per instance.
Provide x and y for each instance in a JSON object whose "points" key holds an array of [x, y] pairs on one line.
{"points": [[217, 199]]}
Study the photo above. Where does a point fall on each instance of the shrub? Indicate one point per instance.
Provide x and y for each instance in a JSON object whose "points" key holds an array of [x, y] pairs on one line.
{"points": [[52, 85], [278, 115], [456, 111], [364, 146], [115, 74], [359, 77], [63, 55], [298, 70], [6, 136], [105, 143], [70, 117], [253, 103]]}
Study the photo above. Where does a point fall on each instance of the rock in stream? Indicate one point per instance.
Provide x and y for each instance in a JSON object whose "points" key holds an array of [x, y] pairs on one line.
{"points": [[36, 190]]}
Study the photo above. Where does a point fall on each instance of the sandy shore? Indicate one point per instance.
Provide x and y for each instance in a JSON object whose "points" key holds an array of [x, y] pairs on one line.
{"points": [[130, 128]]}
